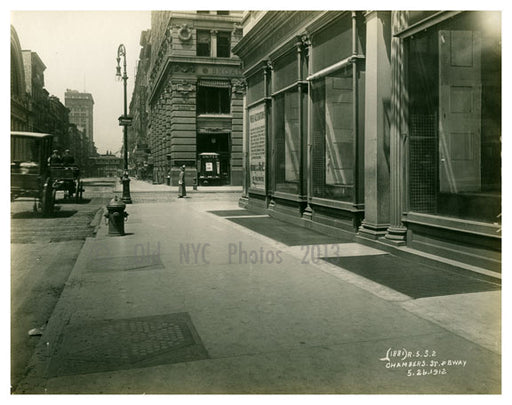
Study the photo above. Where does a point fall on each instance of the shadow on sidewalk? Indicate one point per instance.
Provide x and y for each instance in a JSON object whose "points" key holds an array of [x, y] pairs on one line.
{"points": [[414, 279]]}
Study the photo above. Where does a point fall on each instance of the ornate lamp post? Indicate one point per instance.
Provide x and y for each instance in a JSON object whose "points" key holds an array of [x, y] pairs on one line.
{"points": [[125, 122]]}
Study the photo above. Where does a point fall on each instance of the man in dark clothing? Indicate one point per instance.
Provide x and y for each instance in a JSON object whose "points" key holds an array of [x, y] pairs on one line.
{"points": [[68, 159], [182, 192], [55, 158]]}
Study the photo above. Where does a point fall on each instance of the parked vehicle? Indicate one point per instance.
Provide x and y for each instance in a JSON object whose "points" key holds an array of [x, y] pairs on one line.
{"points": [[36, 176], [67, 179], [30, 170]]}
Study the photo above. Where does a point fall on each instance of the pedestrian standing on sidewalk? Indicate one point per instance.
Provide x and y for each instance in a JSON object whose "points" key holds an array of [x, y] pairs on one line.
{"points": [[182, 192]]}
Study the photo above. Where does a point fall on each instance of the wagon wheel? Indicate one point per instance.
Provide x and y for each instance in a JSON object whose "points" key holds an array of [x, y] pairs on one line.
{"points": [[79, 191], [48, 198]]}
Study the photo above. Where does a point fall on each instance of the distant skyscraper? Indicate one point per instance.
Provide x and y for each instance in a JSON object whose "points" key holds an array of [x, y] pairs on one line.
{"points": [[81, 113]]}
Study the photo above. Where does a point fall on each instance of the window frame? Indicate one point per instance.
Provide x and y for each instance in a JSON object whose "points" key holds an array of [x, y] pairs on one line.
{"points": [[224, 47], [202, 108], [200, 44]]}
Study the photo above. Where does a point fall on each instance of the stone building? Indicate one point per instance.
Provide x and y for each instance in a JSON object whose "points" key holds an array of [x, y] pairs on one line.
{"points": [[384, 126], [58, 123], [37, 94], [20, 106], [195, 93], [137, 132], [81, 113], [33, 109], [105, 165], [79, 147]]}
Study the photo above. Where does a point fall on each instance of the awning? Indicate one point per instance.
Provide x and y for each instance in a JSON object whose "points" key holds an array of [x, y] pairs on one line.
{"points": [[214, 83]]}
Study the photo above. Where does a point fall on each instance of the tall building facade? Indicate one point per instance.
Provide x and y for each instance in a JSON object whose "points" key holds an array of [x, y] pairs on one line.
{"points": [[383, 125], [20, 106], [34, 109], [81, 106], [137, 133], [38, 96], [195, 93]]}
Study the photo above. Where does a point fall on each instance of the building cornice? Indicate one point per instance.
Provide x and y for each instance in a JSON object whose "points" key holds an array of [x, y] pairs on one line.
{"points": [[290, 24]]}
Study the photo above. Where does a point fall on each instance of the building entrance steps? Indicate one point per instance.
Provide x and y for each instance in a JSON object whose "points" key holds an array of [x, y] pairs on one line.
{"points": [[221, 308]]}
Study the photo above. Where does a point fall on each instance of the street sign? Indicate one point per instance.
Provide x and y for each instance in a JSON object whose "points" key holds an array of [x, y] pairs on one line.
{"points": [[125, 121]]}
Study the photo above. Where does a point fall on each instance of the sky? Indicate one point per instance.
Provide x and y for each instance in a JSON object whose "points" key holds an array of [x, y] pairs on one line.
{"points": [[79, 50]]}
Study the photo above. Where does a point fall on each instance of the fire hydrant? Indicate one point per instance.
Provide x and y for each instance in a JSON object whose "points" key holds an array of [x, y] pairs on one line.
{"points": [[116, 216]]}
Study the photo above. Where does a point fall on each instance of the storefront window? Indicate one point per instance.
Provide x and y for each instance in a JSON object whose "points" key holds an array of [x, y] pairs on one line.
{"points": [[287, 141], [454, 89], [332, 44], [333, 136]]}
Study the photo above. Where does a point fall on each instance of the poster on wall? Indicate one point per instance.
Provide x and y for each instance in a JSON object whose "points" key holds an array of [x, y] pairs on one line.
{"points": [[257, 146]]}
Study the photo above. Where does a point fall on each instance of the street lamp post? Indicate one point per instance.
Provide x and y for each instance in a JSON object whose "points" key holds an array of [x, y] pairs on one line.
{"points": [[125, 122]]}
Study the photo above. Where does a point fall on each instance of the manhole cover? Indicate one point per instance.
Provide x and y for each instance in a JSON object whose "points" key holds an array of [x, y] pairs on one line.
{"points": [[120, 344], [142, 262]]}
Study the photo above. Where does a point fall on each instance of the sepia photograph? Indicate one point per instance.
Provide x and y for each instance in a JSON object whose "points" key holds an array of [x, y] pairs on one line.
{"points": [[273, 201]]}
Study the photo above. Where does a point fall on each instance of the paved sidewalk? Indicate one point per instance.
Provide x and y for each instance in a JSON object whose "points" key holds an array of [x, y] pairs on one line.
{"points": [[139, 186], [191, 302]]}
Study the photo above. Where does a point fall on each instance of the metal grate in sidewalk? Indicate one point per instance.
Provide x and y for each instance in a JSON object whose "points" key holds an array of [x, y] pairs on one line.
{"points": [[120, 344], [286, 233], [414, 279]]}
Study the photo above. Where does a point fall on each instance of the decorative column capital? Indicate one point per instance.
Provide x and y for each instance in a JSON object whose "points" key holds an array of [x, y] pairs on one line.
{"points": [[305, 40], [183, 87], [237, 30], [239, 86]]}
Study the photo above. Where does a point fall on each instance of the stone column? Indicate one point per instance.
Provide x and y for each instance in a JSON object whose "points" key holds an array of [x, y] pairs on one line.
{"points": [[377, 121], [396, 233]]}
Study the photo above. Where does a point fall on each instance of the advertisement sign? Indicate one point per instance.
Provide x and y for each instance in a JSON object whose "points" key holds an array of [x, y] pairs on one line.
{"points": [[257, 147]]}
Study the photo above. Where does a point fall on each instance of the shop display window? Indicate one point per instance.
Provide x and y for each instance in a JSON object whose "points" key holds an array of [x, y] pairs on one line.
{"points": [[287, 141], [454, 117], [333, 136]]}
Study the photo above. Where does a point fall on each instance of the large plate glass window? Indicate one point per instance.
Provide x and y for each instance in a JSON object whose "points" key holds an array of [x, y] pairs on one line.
{"points": [[287, 141], [333, 136], [286, 123], [454, 88]]}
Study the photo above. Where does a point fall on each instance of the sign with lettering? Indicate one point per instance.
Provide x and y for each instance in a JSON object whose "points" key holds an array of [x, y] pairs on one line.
{"points": [[257, 147], [125, 121], [215, 70]]}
